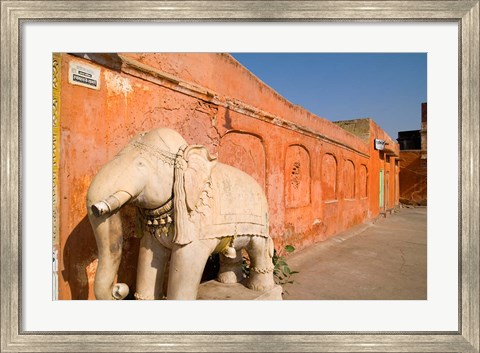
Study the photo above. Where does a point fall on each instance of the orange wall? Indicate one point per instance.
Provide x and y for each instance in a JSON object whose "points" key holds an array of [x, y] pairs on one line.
{"points": [[211, 100]]}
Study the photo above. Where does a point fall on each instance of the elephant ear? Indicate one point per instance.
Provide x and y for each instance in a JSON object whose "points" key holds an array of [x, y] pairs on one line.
{"points": [[193, 167], [199, 168]]}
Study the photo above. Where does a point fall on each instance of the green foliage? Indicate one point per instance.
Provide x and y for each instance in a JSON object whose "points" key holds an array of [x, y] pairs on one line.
{"points": [[282, 272]]}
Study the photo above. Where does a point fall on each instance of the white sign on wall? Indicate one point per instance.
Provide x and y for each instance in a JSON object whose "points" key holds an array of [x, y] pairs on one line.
{"points": [[379, 144], [83, 75]]}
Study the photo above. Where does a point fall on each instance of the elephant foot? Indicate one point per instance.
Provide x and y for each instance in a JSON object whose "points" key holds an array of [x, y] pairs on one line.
{"points": [[234, 275], [260, 281]]}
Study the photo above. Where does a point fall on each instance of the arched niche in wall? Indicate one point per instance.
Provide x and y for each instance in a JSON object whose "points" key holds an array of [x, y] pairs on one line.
{"points": [[329, 177], [363, 181], [349, 180], [244, 151], [297, 177]]}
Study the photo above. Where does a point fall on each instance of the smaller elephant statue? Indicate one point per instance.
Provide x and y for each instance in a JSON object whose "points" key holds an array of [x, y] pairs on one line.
{"points": [[189, 206]]}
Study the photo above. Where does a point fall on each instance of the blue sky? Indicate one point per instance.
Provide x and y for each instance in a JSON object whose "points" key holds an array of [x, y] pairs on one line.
{"points": [[389, 88]]}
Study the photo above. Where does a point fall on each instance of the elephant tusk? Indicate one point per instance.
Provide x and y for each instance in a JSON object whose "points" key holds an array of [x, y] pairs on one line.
{"points": [[111, 203], [100, 208]]}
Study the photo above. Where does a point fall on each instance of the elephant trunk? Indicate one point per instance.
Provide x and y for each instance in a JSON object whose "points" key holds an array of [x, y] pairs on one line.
{"points": [[104, 199], [109, 237]]}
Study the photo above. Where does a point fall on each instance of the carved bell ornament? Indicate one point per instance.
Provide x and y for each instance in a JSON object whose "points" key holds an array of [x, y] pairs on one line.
{"points": [[230, 252]]}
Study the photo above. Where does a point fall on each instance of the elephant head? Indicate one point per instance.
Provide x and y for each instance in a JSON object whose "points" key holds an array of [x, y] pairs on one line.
{"points": [[156, 169]]}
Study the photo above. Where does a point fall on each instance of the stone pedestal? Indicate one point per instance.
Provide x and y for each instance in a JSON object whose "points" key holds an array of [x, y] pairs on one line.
{"points": [[214, 290]]}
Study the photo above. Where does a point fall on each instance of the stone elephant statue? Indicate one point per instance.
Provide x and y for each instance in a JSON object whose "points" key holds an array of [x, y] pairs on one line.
{"points": [[189, 206]]}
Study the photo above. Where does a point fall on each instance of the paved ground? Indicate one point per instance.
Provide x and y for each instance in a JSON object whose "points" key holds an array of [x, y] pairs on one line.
{"points": [[384, 260]]}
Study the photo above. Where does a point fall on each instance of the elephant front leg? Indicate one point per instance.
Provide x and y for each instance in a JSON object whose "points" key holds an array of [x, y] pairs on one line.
{"points": [[186, 268], [152, 260], [260, 251]]}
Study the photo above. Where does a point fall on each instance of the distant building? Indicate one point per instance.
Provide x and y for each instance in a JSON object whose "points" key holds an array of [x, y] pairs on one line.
{"points": [[423, 130], [413, 159], [409, 140], [385, 161]]}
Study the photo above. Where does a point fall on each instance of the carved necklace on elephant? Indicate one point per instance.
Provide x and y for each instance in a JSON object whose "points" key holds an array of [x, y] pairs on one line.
{"points": [[160, 218]]}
